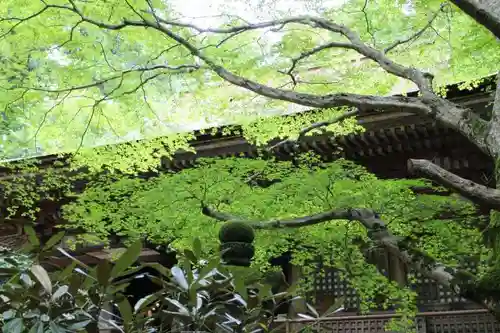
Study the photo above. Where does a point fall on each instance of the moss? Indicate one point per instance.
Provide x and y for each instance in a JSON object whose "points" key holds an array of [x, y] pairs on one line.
{"points": [[236, 232], [237, 253]]}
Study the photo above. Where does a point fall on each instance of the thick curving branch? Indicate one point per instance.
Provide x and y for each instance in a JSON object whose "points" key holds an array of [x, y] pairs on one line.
{"points": [[460, 282], [422, 79], [326, 101], [485, 12], [493, 137], [344, 214], [476, 192], [429, 104]]}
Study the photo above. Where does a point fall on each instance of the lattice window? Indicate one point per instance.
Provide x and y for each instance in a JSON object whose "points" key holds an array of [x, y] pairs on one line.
{"points": [[480, 323], [329, 283], [11, 236], [432, 293]]}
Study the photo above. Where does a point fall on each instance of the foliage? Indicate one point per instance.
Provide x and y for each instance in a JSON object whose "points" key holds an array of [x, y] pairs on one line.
{"points": [[69, 84], [148, 207], [88, 86], [199, 295]]}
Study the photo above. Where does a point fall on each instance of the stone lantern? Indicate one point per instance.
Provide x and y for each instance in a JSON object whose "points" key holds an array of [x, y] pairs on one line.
{"points": [[236, 243]]}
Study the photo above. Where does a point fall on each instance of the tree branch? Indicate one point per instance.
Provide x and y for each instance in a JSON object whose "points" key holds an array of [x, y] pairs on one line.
{"points": [[493, 137], [276, 224], [418, 33], [473, 191], [181, 68], [421, 79], [378, 233], [429, 104], [486, 13], [326, 101], [312, 52]]}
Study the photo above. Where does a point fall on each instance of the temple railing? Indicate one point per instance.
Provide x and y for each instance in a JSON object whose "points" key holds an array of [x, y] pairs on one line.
{"points": [[463, 321]]}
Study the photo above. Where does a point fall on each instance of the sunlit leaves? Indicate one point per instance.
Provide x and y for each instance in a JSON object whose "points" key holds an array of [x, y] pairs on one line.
{"points": [[167, 208], [54, 50]]}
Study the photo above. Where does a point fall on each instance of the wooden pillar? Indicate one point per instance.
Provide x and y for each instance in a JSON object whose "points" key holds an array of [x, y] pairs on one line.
{"points": [[397, 270], [297, 305]]}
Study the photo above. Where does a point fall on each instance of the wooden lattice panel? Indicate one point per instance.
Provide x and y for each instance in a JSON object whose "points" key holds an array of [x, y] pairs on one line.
{"points": [[351, 324], [469, 323], [329, 283], [11, 236], [432, 293]]}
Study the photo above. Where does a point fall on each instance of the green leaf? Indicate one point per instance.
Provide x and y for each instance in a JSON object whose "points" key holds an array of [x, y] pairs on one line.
{"points": [[54, 240], [15, 325], [60, 292], [32, 237], [79, 325], [305, 316], [145, 301], [56, 328], [179, 277], [8, 314], [38, 327], [42, 276], [312, 310], [75, 282], [209, 267], [334, 307], [191, 256], [103, 272], [65, 253], [66, 272], [240, 287], [197, 247], [127, 259], [182, 309], [158, 267], [125, 310]]}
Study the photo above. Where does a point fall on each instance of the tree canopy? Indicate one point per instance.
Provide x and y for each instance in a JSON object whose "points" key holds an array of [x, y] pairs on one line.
{"points": [[79, 74]]}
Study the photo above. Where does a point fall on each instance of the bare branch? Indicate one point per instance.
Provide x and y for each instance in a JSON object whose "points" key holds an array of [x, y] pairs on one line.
{"points": [[121, 76], [20, 20], [418, 33], [421, 79], [312, 52], [368, 24], [473, 191]]}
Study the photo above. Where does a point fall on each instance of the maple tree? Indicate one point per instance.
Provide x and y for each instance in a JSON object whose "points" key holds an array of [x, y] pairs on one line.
{"points": [[99, 79]]}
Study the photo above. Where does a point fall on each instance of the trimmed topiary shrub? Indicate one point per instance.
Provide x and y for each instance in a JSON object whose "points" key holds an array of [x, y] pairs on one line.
{"points": [[237, 253], [236, 232]]}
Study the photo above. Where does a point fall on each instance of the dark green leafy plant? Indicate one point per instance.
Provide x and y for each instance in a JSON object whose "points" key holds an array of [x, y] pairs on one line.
{"points": [[195, 295]]}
